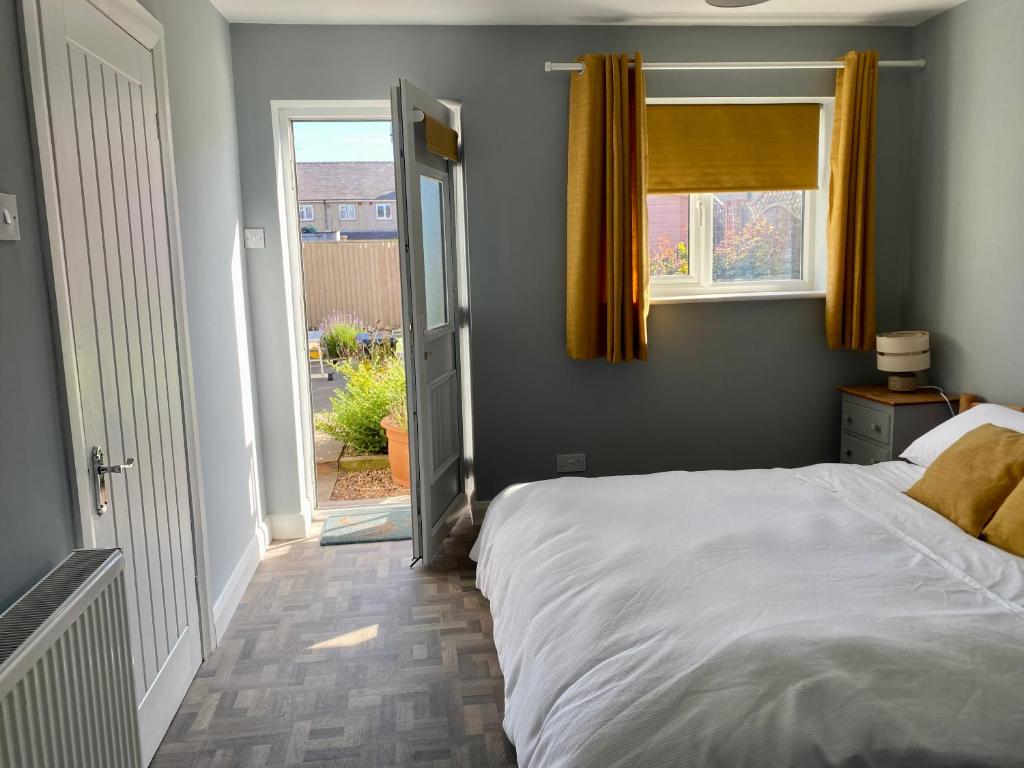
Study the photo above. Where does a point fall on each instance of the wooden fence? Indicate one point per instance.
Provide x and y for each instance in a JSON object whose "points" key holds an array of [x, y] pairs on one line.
{"points": [[359, 278]]}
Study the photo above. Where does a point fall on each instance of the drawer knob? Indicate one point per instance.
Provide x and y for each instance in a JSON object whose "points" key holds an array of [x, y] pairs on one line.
{"points": [[876, 428], [848, 417], [848, 452]]}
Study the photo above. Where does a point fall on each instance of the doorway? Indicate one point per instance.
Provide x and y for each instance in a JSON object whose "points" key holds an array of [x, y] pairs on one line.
{"points": [[346, 212], [363, 360]]}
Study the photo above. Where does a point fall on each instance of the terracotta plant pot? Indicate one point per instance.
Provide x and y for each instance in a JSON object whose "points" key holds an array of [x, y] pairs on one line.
{"points": [[398, 450]]}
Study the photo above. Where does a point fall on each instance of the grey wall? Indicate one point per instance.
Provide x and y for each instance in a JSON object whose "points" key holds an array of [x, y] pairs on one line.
{"points": [[35, 497], [728, 385], [967, 265], [209, 200]]}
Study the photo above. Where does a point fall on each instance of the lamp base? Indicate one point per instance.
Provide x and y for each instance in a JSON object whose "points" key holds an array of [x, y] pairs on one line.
{"points": [[903, 382]]}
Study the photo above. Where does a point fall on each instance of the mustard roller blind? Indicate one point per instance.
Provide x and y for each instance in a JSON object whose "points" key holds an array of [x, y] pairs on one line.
{"points": [[732, 147]]}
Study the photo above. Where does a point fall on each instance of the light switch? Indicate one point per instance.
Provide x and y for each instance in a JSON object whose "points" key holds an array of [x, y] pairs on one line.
{"points": [[254, 238], [9, 229]]}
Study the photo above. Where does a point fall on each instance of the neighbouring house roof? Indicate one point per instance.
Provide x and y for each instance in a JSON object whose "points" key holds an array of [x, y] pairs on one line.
{"points": [[363, 180], [386, 234]]}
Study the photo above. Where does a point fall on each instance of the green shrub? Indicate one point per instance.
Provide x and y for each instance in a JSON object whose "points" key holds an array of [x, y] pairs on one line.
{"points": [[372, 388], [398, 408], [339, 340]]}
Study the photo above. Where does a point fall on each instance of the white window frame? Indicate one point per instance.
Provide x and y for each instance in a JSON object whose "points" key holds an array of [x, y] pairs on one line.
{"points": [[698, 285], [390, 212], [346, 207], [302, 212]]}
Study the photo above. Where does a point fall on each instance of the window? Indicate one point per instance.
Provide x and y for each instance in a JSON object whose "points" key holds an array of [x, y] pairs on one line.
{"points": [[306, 213], [383, 211], [739, 244], [347, 212]]}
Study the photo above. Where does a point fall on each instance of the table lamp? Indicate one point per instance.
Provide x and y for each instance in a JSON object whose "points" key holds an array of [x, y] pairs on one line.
{"points": [[902, 354]]}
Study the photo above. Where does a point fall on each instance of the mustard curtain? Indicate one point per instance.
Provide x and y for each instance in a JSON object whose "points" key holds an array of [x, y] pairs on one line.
{"points": [[850, 282], [607, 295], [732, 147]]}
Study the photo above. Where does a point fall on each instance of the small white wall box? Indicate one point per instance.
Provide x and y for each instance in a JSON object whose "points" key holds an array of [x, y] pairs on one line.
{"points": [[254, 237], [9, 229]]}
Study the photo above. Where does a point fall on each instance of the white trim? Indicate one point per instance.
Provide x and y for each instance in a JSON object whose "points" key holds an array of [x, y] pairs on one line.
{"points": [[303, 207], [711, 298], [740, 99], [133, 19], [52, 236], [359, 505], [296, 525], [227, 602], [460, 219], [187, 381], [479, 509], [668, 289], [390, 211]]}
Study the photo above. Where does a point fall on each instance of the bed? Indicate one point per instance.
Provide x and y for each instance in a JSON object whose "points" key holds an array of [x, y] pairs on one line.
{"points": [[815, 616]]}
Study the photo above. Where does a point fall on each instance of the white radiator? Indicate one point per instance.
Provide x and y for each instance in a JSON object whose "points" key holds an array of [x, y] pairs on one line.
{"points": [[67, 698]]}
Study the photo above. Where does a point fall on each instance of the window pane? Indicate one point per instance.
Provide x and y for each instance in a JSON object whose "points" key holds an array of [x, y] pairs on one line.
{"points": [[668, 234], [435, 280], [758, 236]]}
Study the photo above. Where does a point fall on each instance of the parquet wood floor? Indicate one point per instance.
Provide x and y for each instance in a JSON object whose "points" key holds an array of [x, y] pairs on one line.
{"points": [[343, 656]]}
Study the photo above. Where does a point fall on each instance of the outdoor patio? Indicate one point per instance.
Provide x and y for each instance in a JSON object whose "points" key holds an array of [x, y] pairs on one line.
{"points": [[337, 488]]}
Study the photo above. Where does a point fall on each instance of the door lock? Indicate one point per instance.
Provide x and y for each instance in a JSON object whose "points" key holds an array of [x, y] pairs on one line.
{"points": [[99, 477]]}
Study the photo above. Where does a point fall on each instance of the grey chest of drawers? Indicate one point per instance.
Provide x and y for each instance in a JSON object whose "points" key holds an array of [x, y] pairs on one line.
{"points": [[878, 425]]}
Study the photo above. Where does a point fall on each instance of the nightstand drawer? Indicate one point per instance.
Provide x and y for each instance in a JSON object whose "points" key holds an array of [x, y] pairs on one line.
{"points": [[867, 422], [853, 450]]}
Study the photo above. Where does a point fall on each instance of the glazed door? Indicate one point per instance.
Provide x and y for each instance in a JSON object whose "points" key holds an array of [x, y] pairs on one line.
{"points": [[431, 318]]}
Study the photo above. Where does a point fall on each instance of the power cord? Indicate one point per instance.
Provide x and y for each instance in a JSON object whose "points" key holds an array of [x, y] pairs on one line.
{"points": [[939, 390]]}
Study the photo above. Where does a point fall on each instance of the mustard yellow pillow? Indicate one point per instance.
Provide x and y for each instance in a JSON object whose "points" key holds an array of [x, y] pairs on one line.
{"points": [[970, 480], [1006, 529]]}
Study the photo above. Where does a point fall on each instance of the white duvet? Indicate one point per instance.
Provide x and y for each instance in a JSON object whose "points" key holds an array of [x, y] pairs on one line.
{"points": [[766, 617]]}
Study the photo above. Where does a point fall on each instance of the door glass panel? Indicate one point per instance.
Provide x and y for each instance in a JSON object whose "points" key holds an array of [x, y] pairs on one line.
{"points": [[434, 278]]}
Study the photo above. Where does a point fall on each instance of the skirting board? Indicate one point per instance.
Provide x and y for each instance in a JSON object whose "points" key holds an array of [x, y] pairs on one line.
{"points": [[479, 510], [289, 526], [227, 602]]}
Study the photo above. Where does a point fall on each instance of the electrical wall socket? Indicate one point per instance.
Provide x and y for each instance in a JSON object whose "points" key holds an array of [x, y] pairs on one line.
{"points": [[571, 462]]}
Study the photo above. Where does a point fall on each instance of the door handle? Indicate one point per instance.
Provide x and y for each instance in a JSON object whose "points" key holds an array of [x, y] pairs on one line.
{"points": [[118, 468], [100, 470]]}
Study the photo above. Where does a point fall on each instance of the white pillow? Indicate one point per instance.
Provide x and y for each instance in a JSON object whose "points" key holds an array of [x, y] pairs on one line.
{"points": [[928, 446]]}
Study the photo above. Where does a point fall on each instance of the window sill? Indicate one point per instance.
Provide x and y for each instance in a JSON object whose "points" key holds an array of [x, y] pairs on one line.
{"points": [[752, 296]]}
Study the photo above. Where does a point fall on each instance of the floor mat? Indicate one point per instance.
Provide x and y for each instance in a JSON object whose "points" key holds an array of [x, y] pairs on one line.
{"points": [[365, 526]]}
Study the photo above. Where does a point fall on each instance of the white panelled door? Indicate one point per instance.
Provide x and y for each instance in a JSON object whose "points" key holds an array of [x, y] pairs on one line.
{"points": [[119, 310], [432, 316]]}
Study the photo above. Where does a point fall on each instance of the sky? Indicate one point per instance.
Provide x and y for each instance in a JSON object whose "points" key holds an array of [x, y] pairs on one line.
{"points": [[321, 141]]}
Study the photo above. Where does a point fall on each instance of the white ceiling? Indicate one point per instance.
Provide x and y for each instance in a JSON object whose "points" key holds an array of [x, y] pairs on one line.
{"points": [[662, 12]]}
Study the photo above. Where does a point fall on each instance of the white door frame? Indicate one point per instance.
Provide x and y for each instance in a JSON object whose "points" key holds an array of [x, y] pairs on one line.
{"points": [[283, 112], [138, 23]]}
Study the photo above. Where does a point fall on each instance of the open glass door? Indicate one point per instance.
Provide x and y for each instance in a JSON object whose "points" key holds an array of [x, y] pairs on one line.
{"points": [[430, 306]]}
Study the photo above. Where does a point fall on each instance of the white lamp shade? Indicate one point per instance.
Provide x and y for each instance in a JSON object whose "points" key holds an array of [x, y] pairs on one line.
{"points": [[903, 351]]}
